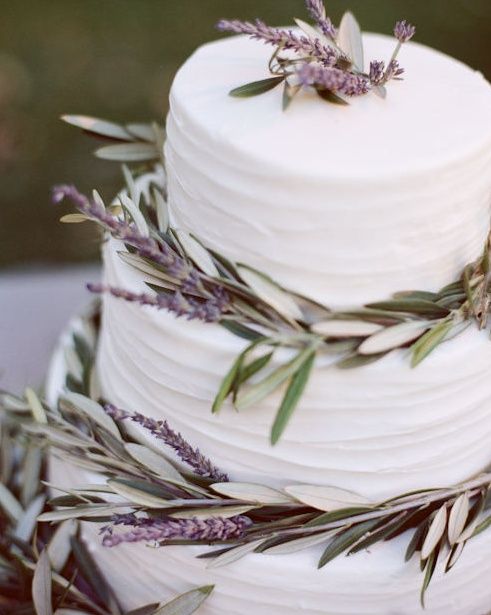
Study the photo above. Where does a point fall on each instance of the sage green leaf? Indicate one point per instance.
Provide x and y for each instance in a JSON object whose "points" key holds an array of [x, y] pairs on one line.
{"points": [[93, 410], [289, 93], [153, 461], [338, 515], [358, 360], [416, 541], [383, 533], [27, 522], [430, 340], [162, 210], [74, 218], [136, 495], [187, 603], [482, 526], [393, 337], [435, 532], [326, 498], [77, 512], [197, 253], [37, 409], [429, 570], [41, 586], [131, 208], [98, 127], [250, 492], [240, 330], [346, 328], [256, 87], [9, 503], [234, 554], [455, 553], [270, 292], [12, 403], [457, 518], [331, 97], [350, 40], [411, 306], [31, 472], [292, 396], [128, 152], [224, 512], [311, 32], [59, 547], [298, 544], [262, 389], [147, 267], [144, 132], [250, 370], [346, 539]]}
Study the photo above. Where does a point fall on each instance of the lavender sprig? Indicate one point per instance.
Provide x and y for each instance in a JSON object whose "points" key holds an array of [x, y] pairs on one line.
{"points": [[147, 247], [404, 31], [333, 79], [318, 11], [281, 38], [157, 530], [161, 430], [209, 310]]}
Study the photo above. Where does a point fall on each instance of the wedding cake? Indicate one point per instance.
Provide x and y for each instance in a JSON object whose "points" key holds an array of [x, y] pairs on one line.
{"points": [[347, 205]]}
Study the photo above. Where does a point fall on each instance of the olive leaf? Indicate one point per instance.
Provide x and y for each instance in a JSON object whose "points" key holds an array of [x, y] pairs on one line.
{"points": [[346, 328], [435, 532], [429, 341], [41, 586], [98, 127], [292, 396], [197, 253], [187, 603], [326, 498], [128, 152], [457, 518], [234, 554], [393, 337], [250, 492], [256, 87], [350, 40], [346, 539]]}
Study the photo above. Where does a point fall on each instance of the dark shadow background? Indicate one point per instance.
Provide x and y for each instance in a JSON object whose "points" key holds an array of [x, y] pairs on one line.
{"points": [[116, 59]]}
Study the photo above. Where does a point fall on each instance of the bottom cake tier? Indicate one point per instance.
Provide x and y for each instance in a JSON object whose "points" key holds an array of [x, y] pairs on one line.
{"points": [[374, 582]]}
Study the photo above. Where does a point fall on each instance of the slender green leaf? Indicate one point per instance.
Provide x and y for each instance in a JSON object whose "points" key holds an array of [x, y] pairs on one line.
{"points": [[332, 97], [429, 570], [292, 396], [41, 586], [99, 127], [256, 87], [187, 603], [346, 539], [429, 341], [128, 152], [350, 40]]}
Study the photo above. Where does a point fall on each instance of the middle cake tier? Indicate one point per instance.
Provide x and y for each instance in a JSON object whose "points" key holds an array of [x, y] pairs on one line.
{"points": [[379, 430]]}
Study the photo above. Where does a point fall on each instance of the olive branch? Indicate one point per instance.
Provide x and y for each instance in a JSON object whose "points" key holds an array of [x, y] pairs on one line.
{"points": [[149, 496], [193, 281]]}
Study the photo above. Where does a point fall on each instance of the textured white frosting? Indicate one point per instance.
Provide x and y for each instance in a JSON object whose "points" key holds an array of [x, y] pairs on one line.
{"points": [[375, 582], [344, 204], [378, 430]]}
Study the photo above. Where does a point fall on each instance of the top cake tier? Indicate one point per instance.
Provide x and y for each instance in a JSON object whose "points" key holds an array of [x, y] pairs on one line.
{"points": [[343, 204]]}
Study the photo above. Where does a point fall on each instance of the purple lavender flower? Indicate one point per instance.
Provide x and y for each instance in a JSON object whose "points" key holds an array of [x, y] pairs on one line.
{"points": [[333, 79], [207, 310], [214, 529], [280, 38], [161, 430], [393, 70], [318, 11], [404, 31], [377, 72], [120, 229]]}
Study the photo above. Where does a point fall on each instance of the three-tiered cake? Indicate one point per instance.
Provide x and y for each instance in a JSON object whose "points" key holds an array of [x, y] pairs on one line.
{"points": [[346, 205]]}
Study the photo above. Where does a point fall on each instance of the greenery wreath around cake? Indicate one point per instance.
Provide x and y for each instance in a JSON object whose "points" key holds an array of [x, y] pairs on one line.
{"points": [[166, 492]]}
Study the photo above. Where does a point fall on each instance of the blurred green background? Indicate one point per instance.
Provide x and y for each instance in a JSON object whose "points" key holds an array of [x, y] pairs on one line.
{"points": [[116, 59]]}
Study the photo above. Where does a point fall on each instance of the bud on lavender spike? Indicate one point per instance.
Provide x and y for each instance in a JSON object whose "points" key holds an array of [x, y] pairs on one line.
{"points": [[214, 529], [161, 430], [404, 31], [318, 11]]}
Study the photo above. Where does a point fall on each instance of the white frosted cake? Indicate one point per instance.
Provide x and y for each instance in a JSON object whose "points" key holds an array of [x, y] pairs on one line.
{"points": [[346, 205]]}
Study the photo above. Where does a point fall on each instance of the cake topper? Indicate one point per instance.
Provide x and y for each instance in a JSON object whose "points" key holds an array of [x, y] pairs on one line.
{"points": [[330, 60]]}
